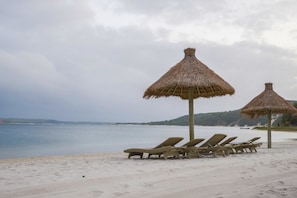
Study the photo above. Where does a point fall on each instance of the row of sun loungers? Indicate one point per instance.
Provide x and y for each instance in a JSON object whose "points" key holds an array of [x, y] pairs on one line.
{"points": [[213, 146]]}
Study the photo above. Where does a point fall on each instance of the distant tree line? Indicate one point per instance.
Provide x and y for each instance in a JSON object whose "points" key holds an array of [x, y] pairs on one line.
{"points": [[230, 118], [288, 119], [227, 118]]}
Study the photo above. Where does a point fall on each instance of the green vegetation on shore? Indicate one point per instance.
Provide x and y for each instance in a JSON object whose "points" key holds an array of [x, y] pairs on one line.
{"points": [[227, 118], [278, 128], [234, 118]]}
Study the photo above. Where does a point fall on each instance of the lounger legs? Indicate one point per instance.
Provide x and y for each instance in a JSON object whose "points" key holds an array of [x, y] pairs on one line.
{"points": [[171, 153], [193, 153], [132, 154]]}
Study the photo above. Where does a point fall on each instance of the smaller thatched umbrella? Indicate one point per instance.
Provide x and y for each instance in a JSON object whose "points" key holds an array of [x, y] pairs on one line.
{"points": [[189, 79], [267, 103]]}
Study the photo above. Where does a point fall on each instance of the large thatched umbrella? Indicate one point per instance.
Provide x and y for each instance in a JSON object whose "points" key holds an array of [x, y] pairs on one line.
{"points": [[266, 103], [189, 79]]}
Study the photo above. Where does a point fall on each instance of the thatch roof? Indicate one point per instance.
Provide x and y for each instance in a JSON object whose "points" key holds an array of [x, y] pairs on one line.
{"points": [[267, 101], [189, 73]]}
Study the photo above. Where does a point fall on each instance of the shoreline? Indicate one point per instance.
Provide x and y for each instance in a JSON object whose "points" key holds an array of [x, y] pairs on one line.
{"points": [[288, 140], [267, 173], [60, 156], [70, 140], [276, 129]]}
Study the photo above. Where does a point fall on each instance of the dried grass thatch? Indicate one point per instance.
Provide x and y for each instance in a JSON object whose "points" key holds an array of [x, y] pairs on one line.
{"points": [[189, 73], [267, 102]]}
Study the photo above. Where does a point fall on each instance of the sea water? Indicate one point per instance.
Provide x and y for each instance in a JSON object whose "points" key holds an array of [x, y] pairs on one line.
{"points": [[31, 140]]}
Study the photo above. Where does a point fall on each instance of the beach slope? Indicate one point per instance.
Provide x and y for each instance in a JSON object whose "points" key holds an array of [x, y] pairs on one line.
{"points": [[268, 173]]}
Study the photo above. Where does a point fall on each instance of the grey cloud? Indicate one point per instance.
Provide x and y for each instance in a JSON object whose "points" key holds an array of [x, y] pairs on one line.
{"points": [[70, 69], [34, 14], [188, 9], [250, 65], [259, 17], [253, 18]]}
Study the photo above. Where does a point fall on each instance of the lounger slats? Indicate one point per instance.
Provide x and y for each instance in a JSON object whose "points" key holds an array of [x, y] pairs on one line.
{"points": [[164, 149]]}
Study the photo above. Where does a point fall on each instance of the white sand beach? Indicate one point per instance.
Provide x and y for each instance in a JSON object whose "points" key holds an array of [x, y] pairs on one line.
{"points": [[268, 173]]}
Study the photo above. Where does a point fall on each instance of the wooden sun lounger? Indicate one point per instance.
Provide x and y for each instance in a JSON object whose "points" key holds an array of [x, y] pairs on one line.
{"points": [[208, 147], [166, 149], [184, 149], [248, 145], [227, 146]]}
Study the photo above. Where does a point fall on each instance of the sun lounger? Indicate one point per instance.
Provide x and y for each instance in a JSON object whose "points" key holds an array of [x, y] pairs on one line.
{"points": [[248, 145], [183, 150], [226, 146], [193, 142], [165, 148], [208, 147], [166, 151], [228, 141]]}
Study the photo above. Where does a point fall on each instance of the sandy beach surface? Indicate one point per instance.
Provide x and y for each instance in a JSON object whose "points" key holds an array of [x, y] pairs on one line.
{"points": [[267, 173]]}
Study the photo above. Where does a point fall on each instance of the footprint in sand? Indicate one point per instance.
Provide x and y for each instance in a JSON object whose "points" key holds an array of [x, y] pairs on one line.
{"points": [[119, 194], [126, 186], [281, 182], [97, 193], [148, 184], [243, 172]]}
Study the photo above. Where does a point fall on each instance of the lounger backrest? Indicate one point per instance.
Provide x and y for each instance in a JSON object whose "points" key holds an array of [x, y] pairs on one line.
{"points": [[230, 139], [253, 139], [193, 142], [170, 142], [214, 140]]}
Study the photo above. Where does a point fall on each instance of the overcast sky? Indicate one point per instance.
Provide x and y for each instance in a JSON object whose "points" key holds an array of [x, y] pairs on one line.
{"points": [[90, 60]]}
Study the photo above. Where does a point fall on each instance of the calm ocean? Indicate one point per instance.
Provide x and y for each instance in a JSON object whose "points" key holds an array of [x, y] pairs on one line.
{"points": [[29, 140]]}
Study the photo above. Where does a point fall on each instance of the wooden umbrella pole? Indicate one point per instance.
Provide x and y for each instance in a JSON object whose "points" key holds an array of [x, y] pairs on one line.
{"points": [[191, 114], [269, 130]]}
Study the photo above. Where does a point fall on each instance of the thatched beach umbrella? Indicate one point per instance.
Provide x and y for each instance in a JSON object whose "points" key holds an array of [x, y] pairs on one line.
{"points": [[267, 103], [189, 79]]}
